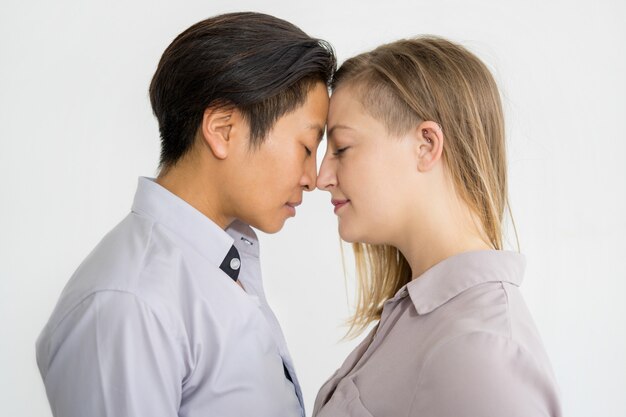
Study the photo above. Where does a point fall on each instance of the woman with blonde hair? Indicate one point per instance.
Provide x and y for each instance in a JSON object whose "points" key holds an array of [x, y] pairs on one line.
{"points": [[416, 167]]}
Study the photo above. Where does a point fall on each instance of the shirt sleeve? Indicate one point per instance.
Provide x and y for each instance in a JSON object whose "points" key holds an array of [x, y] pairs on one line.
{"points": [[112, 357], [484, 375]]}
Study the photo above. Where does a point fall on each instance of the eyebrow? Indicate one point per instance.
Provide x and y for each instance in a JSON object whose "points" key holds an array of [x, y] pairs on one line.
{"points": [[335, 127], [320, 130]]}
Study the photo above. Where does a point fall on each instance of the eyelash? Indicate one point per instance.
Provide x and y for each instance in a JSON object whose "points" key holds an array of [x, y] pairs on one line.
{"points": [[308, 151], [339, 151]]}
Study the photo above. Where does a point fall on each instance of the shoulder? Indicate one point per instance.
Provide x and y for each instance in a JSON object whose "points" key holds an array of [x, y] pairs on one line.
{"points": [[487, 374], [135, 247], [106, 319], [132, 263]]}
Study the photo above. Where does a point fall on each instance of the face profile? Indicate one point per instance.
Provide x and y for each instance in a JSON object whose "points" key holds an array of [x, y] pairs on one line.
{"points": [[241, 117], [364, 169], [376, 178], [267, 181]]}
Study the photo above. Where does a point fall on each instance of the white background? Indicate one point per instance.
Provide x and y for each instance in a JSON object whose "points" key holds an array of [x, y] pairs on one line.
{"points": [[76, 130]]}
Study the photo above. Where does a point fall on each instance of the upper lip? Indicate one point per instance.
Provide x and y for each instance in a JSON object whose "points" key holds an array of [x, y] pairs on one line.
{"points": [[294, 204], [335, 202]]}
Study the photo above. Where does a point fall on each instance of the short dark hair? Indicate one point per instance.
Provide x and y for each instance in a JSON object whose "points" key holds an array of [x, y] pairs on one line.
{"points": [[262, 65]]}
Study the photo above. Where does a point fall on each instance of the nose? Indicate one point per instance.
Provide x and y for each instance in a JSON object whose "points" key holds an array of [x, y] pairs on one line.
{"points": [[327, 177], [309, 176]]}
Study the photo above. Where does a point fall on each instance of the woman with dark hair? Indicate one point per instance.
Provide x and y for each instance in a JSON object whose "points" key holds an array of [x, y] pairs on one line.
{"points": [[167, 315]]}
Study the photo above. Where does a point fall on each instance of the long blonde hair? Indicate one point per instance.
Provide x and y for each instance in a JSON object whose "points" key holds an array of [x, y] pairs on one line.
{"points": [[428, 78]]}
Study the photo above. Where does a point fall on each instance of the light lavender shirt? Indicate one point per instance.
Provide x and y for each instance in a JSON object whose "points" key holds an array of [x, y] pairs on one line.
{"points": [[150, 326], [457, 341]]}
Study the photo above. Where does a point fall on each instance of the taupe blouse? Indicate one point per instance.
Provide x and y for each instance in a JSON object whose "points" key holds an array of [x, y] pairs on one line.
{"points": [[457, 341]]}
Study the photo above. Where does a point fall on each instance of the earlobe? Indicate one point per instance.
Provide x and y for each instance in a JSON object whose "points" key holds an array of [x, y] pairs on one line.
{"points": [[430, 145], [216, 130]]}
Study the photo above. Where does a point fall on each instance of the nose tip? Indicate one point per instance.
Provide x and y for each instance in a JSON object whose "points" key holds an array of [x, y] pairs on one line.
{"points": [[322, 181], [318, 184], [326, 175], [321, 184], [309, 180]]}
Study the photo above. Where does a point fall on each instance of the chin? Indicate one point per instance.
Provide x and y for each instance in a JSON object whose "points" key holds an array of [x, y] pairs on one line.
{"points": [[269, 227], [352, 234], [346, 234]]}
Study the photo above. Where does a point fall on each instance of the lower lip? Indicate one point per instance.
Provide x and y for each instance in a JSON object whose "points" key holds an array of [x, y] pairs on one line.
{"points": [[292, 210], [338, 206]]}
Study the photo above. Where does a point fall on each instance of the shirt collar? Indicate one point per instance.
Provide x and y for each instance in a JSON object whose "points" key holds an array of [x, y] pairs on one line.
{"points": [[194, 228], [453, 275], [246, 240]]}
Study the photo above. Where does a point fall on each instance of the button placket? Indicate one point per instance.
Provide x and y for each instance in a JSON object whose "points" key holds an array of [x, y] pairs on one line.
{"points": [[382, 326]]}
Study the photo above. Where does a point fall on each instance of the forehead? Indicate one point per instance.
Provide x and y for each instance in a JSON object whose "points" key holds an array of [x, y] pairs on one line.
{"points": [[346, 110], [316, 109], [341, 100], [310, 116]]}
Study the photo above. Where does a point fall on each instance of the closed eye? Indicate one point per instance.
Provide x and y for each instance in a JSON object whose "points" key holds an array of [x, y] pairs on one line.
{"points": [[308, 151], [339, 151]]}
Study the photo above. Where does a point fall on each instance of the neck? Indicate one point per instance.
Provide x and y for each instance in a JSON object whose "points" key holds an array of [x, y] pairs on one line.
{"points": [[423, 255], [446, 229], [188, 181]]}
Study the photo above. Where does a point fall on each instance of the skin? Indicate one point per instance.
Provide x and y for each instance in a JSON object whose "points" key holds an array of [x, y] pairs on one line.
{"points": [[226, 179], [394, 190]]}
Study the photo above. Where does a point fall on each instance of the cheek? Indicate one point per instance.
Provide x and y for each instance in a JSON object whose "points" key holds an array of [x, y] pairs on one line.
{"points": [[276, 172], [365, 181], [374, 186], [285, 167]]}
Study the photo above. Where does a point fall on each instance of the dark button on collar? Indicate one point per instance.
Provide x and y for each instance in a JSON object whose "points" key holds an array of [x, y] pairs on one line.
{"points": [[231, 263]]}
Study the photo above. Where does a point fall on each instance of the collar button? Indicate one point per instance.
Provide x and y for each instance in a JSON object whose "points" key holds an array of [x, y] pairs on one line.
{"points": [[235, 263]]}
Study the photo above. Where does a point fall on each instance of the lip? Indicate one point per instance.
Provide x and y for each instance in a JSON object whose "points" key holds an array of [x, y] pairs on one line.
{"points": [[339, 203], [291, 207]]}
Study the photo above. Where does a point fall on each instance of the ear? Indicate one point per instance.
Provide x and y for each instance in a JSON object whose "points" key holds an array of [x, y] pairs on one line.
{"points": [[429, 145], [216, 130]]}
